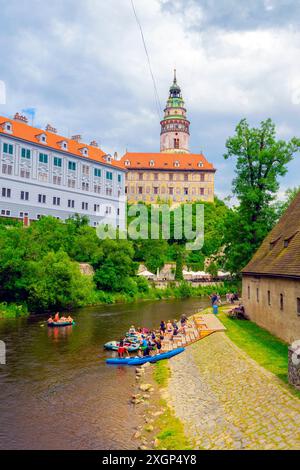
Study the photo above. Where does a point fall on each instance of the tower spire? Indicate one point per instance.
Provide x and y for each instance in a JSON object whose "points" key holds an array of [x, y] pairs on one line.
{"points": [[175, 79]]}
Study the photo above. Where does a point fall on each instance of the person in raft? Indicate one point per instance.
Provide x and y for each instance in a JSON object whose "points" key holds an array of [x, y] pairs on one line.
{"points": [[132, 330], [56, 317], [50, 319], [144, 346], [122, 349]]}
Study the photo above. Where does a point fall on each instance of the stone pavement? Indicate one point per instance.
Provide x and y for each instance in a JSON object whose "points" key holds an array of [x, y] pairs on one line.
{"points": [[227, 401]]}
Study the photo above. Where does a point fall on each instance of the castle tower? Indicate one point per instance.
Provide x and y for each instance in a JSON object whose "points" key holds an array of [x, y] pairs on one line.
{"points": [[174, 134]]}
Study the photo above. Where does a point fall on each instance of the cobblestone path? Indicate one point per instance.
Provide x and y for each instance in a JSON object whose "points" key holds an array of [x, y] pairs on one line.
{"points": [[227, 401]]}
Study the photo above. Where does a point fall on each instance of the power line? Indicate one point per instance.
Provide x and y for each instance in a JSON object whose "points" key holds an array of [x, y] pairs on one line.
{"points": [[156, 95]]}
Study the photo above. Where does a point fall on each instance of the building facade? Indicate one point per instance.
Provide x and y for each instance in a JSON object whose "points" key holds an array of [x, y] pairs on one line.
{"points": [[271, 280], [42, 173], [174, 175]]}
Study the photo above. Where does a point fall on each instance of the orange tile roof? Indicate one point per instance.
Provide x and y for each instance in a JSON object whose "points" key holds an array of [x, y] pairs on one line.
{"points": [[28, 133], [166, 161]]}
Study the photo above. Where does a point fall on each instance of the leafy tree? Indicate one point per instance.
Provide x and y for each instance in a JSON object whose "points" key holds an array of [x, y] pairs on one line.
{"points": [[290, 195], [260, 160]]}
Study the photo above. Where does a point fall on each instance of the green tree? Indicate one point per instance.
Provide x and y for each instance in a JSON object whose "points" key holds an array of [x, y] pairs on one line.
{"points": [[260, 160]]}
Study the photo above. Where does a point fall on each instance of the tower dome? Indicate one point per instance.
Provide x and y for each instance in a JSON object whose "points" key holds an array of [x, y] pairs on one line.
{"points": [[174, 135]]}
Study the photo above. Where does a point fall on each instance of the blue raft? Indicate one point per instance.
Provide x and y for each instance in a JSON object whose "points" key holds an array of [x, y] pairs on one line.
{"points": [[137, 361], [59, 324]]}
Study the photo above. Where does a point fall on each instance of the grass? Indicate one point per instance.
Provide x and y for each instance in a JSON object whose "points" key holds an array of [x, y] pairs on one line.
{"points": [[171, 434], [267, 350]]}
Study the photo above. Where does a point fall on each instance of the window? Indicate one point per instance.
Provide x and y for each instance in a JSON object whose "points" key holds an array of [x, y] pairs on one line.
{"points": [[119, 178], [97, 172], [25, 153], [97, 188], [43, 177], [85, 170], [176, 143], [249, 292], [186, 177], [171, 191], [140, 190], [71, 183], [85, 186], [24, 196], [7, 169], [72, 166], [126, 189], [56, 201], [202, 177], [57, 161], [42, 198], [56, 179], [6, 192], [281, 302], [5, 212], [201, 191], [71, 203], [298, 306], [43, 158], [109, 175], [155, 176], [269, 298], [108, 191], [84, 206], [108, 210], [24, 173], [141, 176], [155, 189], [8, 148], [257, 294], [23, 214], [171, 176], [186, 191], [96, 207]]}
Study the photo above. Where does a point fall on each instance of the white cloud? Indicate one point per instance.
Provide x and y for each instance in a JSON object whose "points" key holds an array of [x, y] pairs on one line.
{"points": [[81, 63]]}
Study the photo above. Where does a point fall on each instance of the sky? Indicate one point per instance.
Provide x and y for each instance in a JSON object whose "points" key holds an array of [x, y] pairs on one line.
{"points": [[81, 65]]}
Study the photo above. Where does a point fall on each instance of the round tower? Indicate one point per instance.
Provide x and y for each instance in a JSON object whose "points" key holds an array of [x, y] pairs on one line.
{"points": [[175, 128]]}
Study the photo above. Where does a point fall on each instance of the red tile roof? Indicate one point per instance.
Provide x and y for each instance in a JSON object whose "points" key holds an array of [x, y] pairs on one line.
{"points": [[279, 254], [28, 133], [166, 161]]}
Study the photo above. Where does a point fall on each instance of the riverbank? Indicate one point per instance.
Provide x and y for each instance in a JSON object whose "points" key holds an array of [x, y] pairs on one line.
{"points": [[224, 391], [12, 310], [98, 298]]}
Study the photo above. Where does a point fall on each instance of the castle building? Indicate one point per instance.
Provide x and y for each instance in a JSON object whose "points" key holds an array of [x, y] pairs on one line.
{"points": [[271, 280], [174, 175], [43, 173]]}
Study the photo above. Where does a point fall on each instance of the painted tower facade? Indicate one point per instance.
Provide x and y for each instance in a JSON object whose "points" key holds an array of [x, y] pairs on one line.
{"points": [[175, 128]]}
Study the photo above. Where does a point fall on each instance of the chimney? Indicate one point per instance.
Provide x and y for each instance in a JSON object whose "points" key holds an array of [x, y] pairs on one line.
{"points": [[20, 118], [94, 144], [76, 137], [116, 156], [49, 128]]}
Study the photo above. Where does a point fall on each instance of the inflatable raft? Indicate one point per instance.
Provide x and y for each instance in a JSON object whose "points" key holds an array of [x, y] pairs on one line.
{"points": [[59, 324], [136, 361], [114, 345]]}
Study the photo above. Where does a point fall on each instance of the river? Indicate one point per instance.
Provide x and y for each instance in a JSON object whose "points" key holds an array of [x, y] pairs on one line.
{"points": [[56, 390]]}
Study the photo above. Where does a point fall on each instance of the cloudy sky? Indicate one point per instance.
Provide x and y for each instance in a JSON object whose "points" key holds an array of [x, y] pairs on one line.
{"points": [[82, 66]]}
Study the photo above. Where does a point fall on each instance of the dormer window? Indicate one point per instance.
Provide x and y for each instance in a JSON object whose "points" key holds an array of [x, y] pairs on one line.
{"points": [[84, 151], [42, 138], [151, 163], [200, 164], [127, 163], [7, 127], [176, 164], [63, 145], [108, 158], [287, 241], [273, 243]]}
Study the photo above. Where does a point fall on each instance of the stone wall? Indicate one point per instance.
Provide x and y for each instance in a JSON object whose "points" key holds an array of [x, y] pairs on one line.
{"points": [[294, 364], [265, 306]]}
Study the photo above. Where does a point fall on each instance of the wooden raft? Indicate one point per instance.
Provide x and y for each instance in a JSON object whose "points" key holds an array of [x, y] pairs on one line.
{"points": [[199, 326]]}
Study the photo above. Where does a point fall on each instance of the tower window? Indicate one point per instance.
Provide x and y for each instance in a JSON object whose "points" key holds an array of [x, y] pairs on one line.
{"points": [[176, 143]]}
